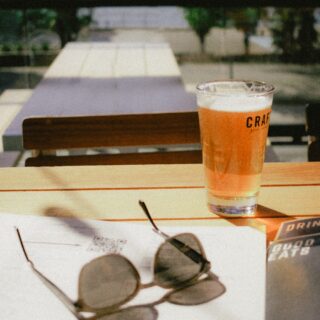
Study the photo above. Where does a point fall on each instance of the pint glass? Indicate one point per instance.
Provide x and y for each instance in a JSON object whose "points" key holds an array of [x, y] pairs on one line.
{"points": [[234, 119]]}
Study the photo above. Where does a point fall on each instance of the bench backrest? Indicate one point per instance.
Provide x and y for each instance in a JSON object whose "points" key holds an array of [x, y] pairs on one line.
{"points": [[47, 134]]}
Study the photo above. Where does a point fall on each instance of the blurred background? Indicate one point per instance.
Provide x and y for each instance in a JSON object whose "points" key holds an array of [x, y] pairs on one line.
{"points": [[277, 44]]}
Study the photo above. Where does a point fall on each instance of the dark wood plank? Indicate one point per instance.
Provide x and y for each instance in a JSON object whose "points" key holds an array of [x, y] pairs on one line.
{"points": [[178, 157], [155, 129], [294, 131], [111, 131], [313, 129]]}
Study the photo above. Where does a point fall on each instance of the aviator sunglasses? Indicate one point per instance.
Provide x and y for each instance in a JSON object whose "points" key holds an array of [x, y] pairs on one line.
{"points": [[108, 282]]}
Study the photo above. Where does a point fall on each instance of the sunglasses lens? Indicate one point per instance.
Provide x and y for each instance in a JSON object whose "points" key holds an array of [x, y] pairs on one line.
{"points": [[173, 266], [107, 281], [132, 313], [200, 292]]}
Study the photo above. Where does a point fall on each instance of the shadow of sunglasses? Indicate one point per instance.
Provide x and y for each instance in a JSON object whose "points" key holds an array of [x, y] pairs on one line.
{"points": [[108, 282]]}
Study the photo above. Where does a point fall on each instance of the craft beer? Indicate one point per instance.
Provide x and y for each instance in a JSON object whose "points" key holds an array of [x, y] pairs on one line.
{"points": [[234, 119]]}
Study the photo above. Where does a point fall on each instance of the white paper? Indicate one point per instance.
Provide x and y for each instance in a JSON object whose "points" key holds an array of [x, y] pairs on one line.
{"points": [[60, 247]]}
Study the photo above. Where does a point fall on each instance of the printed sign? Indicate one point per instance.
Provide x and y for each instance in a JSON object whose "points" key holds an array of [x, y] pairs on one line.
{"points": [[297, 228]]}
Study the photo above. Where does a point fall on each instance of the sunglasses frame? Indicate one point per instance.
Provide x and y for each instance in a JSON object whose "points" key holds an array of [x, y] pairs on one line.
{"points": [[75, 307], [205, 267], [100, 316], [82, 306]]}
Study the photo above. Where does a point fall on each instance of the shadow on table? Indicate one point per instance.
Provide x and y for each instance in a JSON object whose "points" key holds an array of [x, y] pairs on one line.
{"points": [[70, 219], [266, 219]]}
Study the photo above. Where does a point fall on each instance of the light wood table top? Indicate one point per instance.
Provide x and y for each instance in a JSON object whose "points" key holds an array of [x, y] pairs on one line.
{"points": [[173, 193], [106, 78], [114, 60]]}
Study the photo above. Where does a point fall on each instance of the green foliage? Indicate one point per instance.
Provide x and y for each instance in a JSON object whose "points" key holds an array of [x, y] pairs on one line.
{"points": [[19, 47], [284, 25], [45, 46], [307, 37], [34, 48], [10, 25], [68, 24], [245, 19], [6, 47], [294, 34], [201, 20], [40, 19], [15, 25]]}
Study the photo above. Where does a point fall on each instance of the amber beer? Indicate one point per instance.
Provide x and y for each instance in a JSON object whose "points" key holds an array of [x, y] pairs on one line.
{"points": [[234, 124]]}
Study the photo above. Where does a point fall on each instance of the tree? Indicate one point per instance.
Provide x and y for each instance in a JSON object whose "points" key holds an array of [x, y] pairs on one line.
{"points": [[65, 22], [307, 36], [245, 19], [295, 35], [283, 30], [40, 19], [10, 25], [69, 23], [201, 20]]}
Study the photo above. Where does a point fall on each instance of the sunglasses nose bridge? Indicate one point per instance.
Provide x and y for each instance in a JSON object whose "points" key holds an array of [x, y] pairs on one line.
{"points": [[206, 266]]}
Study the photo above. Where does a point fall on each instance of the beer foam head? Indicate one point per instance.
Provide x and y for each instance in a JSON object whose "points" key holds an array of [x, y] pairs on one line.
{"points": [[235, 96]]}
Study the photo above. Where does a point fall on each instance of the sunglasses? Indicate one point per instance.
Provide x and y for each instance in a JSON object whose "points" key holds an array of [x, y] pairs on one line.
{"points": [[108, 282]]}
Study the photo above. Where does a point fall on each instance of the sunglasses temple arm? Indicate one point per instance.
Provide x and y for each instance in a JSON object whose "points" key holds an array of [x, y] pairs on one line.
{"points": [[68, 303], [188, 251], [155, 227], [50, 285]]}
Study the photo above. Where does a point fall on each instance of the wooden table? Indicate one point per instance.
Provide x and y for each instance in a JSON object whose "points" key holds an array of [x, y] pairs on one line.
{"points": [[106, 78], [174, 193]]}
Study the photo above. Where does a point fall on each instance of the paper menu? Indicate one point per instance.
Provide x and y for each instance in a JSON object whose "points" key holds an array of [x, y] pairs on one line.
{"points": [[60, 247], [298, 228], [293, 278]]}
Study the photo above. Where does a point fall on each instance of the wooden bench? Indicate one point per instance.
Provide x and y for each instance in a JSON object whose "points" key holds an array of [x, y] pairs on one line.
{"points": [[300, 134], [167, 132], [104, 79], [293, 134], [158, 130]]}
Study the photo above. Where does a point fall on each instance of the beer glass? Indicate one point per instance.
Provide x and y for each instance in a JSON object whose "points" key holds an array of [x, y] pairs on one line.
{"points": [[234, 118]]}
